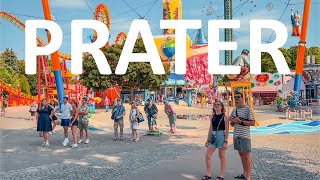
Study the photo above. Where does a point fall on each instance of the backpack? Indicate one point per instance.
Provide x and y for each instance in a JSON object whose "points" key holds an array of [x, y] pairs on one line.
{"points": [[115, 114]]}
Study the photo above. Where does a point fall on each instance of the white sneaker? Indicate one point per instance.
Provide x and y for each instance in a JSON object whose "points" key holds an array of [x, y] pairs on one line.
{"points": [[74, 145], [65, 143], [50, 132], [87, 141], [80, 141]]}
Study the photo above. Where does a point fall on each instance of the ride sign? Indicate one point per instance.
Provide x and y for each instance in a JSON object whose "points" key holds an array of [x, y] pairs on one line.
{"points": [[152, 55]]}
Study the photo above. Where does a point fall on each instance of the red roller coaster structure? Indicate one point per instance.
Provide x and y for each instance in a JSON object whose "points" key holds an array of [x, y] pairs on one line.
{"points": [[101, 13]]}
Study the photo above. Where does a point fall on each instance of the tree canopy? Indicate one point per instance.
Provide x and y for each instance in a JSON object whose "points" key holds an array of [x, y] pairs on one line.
{"points": [[138, 75]]}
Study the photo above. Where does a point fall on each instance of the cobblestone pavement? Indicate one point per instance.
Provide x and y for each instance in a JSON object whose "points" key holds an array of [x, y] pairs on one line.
{"points": [[282, 157]]}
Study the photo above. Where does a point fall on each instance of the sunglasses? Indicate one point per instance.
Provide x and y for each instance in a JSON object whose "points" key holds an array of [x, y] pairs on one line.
{"points": [[237, 97], [218, 104]]}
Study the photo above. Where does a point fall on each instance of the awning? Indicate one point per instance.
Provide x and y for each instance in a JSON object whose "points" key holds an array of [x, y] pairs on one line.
{"points": [[267, 89]]}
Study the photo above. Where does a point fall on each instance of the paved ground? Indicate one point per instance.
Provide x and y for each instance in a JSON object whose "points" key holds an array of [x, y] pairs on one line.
{"points": [[172, 157]]}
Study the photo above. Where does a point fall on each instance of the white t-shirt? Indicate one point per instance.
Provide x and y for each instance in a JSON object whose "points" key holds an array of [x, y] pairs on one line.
{"points": [[65, 109], [241, 60]]}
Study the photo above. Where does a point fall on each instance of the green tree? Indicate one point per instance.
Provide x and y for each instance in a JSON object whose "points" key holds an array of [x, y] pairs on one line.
{"points": [[138, 75], [314, 51], [32, 79], [10, 76], [24, 84], [10, 59], [268, 65]]}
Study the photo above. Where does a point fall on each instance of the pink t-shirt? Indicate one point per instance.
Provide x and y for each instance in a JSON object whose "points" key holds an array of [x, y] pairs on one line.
{"points": [[169, 109]]}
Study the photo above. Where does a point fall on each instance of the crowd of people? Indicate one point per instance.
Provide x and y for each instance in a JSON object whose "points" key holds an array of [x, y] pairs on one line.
{"points": [[75, 117]]}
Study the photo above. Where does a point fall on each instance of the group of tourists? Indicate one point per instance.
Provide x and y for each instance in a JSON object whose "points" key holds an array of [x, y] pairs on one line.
{"points": [[241, 119], [136, 117], [73, 116]]}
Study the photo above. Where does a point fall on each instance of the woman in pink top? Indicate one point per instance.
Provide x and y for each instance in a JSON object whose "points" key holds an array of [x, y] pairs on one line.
{"points": [[171, 115]]}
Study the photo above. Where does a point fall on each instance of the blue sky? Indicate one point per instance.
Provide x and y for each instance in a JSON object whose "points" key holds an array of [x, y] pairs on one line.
{"points": [[66, 10]]}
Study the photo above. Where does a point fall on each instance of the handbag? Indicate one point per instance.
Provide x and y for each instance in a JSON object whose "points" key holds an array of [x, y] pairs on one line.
{"points": [[140, 118]]}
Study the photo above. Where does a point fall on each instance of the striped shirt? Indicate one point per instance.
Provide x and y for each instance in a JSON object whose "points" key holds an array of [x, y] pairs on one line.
{"points": [[245, 113]]}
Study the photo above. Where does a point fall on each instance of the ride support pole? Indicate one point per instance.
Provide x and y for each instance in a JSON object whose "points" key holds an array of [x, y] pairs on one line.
{"points": [[54, 56], [302, 49]]}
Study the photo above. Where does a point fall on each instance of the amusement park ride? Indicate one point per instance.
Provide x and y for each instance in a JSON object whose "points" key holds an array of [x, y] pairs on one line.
{"points": [[50, 89], [197, 54]]}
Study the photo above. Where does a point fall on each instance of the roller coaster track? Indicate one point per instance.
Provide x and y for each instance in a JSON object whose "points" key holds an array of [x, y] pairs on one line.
{"points": [[101, 13], [121, 37]]}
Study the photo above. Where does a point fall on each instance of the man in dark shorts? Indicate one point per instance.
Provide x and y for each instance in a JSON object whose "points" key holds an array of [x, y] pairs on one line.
{"points": [[241, 119]]}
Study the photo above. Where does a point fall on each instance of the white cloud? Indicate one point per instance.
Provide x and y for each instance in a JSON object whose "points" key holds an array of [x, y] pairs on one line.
{"points": [[75, 4]]}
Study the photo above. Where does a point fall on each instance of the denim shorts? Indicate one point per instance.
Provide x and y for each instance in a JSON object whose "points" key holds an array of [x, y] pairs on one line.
{"points": [[242, 144], [217, 139], [65, 122]]}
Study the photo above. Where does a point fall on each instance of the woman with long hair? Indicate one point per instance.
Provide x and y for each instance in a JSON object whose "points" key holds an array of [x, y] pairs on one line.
{"points": [[74, 122], [133, 117], [55, 107], [217, 138], [44, 115]]}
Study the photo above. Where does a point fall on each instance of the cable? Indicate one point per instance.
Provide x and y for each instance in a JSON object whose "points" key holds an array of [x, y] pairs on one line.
{"points": [[280, 19], [88, 6], [17, 14], [155, 27], [240, 8], [150, 9], [221, 16], [132, 9]]}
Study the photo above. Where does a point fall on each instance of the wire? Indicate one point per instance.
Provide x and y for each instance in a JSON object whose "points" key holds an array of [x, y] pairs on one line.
{"points": [[154, 27], [280, 18], [150, 9], [24, 15], [221, 16], [132, 9], [240, 7], [119, 22], [88, 6], [292, 3]]}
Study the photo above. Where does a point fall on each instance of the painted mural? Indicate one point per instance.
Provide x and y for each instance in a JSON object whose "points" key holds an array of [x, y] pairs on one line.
{"points": [[267, 79]]}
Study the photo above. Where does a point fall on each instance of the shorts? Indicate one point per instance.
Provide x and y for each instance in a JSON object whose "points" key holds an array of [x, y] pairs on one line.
{"points": [[242, 144], [172, 119], [76, 123], [65, 122], [83, 124], [54, 118], [217, 139]]}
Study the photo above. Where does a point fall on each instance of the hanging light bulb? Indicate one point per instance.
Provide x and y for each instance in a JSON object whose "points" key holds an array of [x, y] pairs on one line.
{"points": [[53, 18], [210, 9], [269, 6]]}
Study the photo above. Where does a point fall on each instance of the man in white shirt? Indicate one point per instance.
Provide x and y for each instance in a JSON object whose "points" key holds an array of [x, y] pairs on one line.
{"points": [[66, 109], [242, 61]]}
